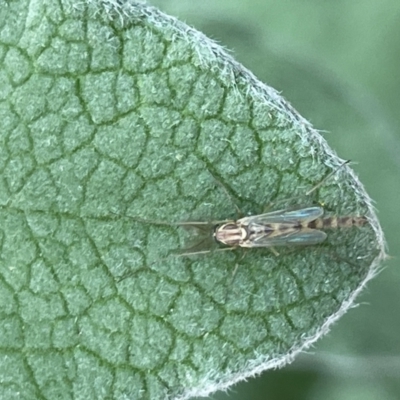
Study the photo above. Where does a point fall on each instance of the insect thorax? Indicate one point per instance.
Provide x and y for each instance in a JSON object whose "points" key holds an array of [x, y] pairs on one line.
{"points": [[230, 233]]}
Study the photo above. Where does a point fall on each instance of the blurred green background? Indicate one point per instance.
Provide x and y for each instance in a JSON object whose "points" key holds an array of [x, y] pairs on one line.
{"points": [[338, 63]]}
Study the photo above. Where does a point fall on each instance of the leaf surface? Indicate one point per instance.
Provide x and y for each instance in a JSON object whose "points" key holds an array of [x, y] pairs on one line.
{"points": [[117, 122]]}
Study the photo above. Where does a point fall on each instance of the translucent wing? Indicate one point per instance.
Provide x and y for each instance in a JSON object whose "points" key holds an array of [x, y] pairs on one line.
{"points": [[284, 216], [289, 237], [284, 228]]}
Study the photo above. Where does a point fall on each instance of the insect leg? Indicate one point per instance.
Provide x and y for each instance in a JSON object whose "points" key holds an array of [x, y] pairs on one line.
{"points": [[274, 251], [182, 254], [327, 177], [234, 273], [313, 189], [223, 187]]}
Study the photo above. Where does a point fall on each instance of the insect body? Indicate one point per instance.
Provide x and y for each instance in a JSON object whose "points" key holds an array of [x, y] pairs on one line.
{"points": [[282, 228], [278, 228]]}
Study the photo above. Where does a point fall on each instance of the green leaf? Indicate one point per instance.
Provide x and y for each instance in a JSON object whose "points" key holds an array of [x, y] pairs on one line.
{"points": [[114, 118]]}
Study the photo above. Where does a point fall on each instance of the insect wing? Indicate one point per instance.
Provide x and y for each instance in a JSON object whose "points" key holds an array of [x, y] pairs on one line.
{"points": [[284, 228], [288, 237], [284, 216], [307, 237]]}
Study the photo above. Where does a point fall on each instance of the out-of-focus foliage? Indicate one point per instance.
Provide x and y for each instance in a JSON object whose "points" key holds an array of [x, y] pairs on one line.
{"points": [[337, 63]]}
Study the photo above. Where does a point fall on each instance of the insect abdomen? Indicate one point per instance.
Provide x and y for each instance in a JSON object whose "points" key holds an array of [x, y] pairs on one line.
{"points": [[336, 222]]}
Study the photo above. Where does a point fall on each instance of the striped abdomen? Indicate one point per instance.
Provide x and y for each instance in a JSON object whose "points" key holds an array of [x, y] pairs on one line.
{"points": [[335, 222]]}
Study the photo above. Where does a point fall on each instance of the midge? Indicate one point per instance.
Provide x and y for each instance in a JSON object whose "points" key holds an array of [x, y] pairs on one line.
{"points": [[304, 226], [295, 227]]}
